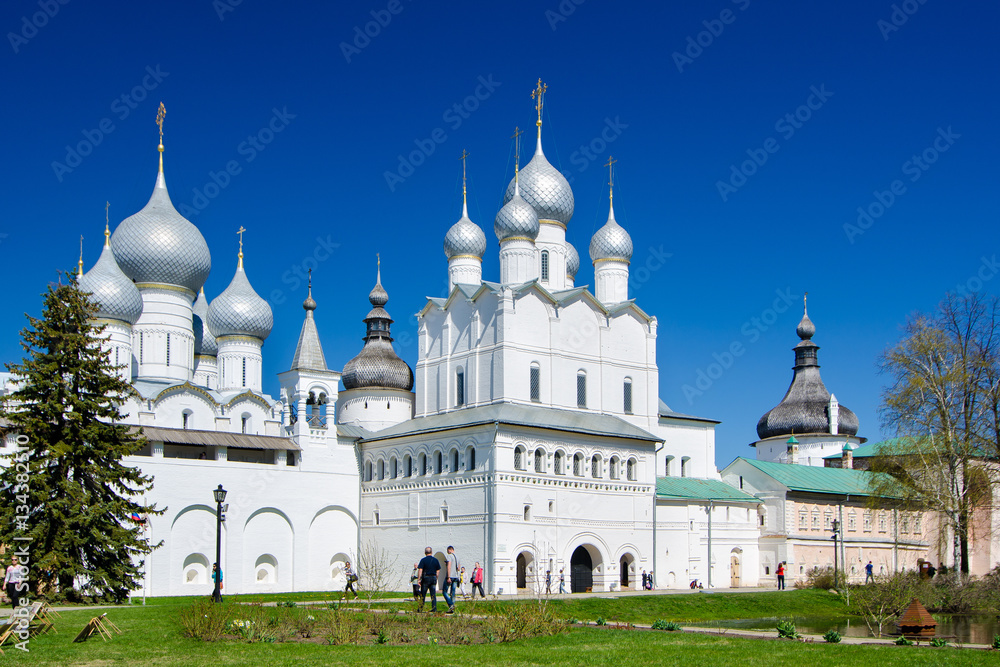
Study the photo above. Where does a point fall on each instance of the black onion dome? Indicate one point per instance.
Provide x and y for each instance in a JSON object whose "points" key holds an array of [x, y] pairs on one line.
{"points": [[378, 365], [805, 408]]}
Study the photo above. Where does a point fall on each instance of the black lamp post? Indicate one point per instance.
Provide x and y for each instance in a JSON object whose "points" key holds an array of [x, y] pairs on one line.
{"points": [[220, 497], [836, 530]]}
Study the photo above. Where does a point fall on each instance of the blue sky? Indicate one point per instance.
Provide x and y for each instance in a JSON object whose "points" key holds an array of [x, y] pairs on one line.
{"points": [[747, 135]]}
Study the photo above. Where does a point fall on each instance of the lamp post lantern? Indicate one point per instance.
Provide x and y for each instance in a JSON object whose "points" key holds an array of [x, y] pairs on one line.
{"points": [[836, 530], [220, 497]]}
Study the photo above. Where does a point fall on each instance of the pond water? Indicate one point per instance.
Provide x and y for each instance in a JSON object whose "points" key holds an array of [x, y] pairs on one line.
{"points": [[957, 628]]}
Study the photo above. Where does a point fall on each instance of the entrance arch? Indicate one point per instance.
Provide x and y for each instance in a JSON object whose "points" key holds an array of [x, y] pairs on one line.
{"points": [[581, 571], [734, 568], [626, 571], [525, 562]]}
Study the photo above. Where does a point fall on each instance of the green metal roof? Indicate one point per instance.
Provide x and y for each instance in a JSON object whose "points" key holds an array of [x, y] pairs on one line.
{"points": [[700, 489], [814, 479], [867, 451]]}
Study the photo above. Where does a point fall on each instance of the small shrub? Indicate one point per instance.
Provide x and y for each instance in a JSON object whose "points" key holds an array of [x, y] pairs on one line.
{"points": [[903, 641], [939, 642], [601, 621], [832, 637], [508, 623], [821, 577], [996, 642], [382, 637], [287, 603], [205, 620], [786, 630], [665, 625]]}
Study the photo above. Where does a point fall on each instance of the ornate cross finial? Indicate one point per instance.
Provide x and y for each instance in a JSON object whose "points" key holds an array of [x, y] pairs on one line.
{"points": [[378, 261], [107, 224], [465, 209], [805, 308], [537, 94], [79, 271], [611, 175], [517, 149], [310, 272], [240, 232], [161, 113]]}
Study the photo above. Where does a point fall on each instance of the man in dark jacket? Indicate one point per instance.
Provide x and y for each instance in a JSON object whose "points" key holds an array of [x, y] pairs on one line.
{"points": [[427, 571]]}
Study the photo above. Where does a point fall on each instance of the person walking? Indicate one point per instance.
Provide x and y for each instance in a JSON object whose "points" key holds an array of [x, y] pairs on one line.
{"points": [[869, 573], [645, 580], [12, 581], [461, 584], [651, 579], [427, 572], [477, 581], [351, 578], [415, 582], [548, 582], [450, 578], [781, 575]]}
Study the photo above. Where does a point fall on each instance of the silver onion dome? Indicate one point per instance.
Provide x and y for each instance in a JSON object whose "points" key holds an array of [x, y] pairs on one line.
{"points": [[517, 219], [611, 242], [204, 341], [378, 365], [805, 407], [572, 260], [159, 245], [116, 296], [238, 311], [545, 189], [465, 238]]}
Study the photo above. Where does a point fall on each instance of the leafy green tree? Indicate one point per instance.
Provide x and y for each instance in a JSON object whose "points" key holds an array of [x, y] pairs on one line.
{"points": [[943, 402], [66, 494]]}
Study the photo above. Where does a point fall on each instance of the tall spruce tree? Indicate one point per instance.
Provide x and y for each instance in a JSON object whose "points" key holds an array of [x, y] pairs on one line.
{"points": [[77, 499]]}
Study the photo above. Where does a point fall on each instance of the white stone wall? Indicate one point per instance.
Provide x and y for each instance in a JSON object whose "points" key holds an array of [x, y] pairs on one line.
{"points": [[165, 310]]}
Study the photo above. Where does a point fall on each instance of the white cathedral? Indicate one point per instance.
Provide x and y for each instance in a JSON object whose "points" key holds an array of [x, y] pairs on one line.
{"points": [[530, 436]]}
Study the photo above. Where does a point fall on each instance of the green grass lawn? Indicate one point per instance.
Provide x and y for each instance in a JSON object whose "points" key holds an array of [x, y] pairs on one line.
{"points": [[697, 607], [153, 636]]}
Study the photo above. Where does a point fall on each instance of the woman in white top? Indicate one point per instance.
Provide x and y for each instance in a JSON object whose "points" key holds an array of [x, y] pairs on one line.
{"points": [[12, 581]]}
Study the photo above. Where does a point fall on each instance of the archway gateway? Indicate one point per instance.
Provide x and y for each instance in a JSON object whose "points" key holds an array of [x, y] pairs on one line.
{"points": [[625, 571], [581, 571]]}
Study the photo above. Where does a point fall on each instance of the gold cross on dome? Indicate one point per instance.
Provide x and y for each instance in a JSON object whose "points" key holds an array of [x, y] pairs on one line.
{"points": [[240, 232], [517, 146], [537, 95], [161, 113], [107, 222], [462, 157]]}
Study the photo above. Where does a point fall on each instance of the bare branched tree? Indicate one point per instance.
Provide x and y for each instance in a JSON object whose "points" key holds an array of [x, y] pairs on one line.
{"points": [[376, 571], [943, 401]]}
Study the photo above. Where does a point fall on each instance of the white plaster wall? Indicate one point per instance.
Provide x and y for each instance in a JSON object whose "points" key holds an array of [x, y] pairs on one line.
{"points": [[165, 309]]}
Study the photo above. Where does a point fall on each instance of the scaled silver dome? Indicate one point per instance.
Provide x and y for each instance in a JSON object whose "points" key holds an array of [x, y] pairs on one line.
{"points": [[378, 365], [545, 189], [158, 245], [204, 341], [116, 296], [572, 260], [611, 242], [238, 311], [516, 219], [465, 238]]}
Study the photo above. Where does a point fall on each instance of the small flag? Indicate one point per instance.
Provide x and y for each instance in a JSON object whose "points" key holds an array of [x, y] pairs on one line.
{"points": [[138, 519]]}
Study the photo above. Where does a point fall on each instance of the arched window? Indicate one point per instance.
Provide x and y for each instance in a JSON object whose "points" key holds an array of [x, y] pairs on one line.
{"points": [[422, 465], [581, 389], [595, 466], [535, 382], [557, 464], [685, 471], [381, 469], [459, 387], [407, 466], [454, 460], [245, 423], [667, 465], [394, 467], [527, 512], [630, 470], [368, 471], [545, 266], [470, 459], [578, 465], [613, 471], [186, 417], [519, 458], [438, 463], [539, 460], [628, 396]]}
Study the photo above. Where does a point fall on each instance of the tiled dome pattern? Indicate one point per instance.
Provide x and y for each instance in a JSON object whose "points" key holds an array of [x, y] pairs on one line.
{"points": [[611, 242], [545, 189], [204, 341], [465, 238], [516, 219], [116, 296], [158, 245], [238, 311], [572, 260]]}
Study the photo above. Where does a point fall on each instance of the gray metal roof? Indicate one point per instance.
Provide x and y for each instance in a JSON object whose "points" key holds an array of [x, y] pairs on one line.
{"points": [[309, 351], [177, 436], [239, 310], [116, 296], [611, 241], [536, 416], [465, 238], [544, 188], [665, 411]]}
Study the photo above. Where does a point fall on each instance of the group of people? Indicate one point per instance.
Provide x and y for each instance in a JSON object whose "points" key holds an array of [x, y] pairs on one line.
{"points": [[548, 581], [647, 580], [428, 572]]}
